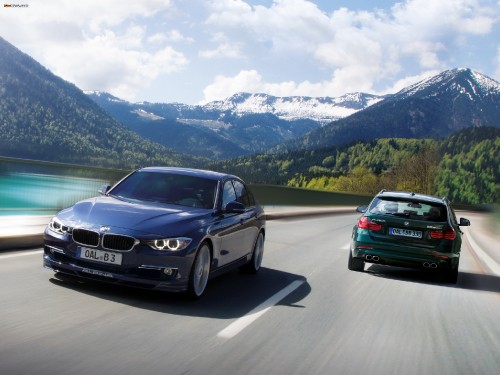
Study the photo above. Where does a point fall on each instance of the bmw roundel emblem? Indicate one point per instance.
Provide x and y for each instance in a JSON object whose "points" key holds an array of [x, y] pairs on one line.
{"points": [[104, 229], [407, 223]]}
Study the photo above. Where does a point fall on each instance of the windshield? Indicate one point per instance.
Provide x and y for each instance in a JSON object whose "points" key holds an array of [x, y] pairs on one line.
{"points": [[169, 188], [412, 209]]}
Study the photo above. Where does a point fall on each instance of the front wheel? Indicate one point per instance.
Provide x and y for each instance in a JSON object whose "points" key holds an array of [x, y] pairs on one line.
{"points": [[199, 274], [258, 253]]}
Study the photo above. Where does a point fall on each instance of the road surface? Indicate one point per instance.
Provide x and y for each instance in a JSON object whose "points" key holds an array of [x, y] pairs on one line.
{"points": [[304, 313]]}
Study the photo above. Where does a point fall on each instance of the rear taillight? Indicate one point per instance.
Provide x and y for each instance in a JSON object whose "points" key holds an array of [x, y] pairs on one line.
{"points": [[448, 234], [365, 223], [436, 234]]}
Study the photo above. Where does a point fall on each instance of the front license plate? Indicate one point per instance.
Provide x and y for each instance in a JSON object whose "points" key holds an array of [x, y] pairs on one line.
{"points": [[100, 255], [405, 232]]}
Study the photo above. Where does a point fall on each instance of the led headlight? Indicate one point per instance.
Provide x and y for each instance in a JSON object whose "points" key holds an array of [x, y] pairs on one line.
{"points": [[170, 244], [56, 226]]}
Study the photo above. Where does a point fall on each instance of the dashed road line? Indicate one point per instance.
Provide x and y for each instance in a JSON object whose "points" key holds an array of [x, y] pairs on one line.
{"points": [[239, 325]]}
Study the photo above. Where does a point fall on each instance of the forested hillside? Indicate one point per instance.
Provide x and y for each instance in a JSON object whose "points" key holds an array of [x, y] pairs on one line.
{"points": [[469, 168], [464, 167], [46, 118]]}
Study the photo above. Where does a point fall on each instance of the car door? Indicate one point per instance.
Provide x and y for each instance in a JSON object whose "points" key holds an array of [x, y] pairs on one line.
{"points": [[234, 227], [249, 227]]}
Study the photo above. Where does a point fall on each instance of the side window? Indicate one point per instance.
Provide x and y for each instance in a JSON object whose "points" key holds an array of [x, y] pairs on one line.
{"points": [[228, 194], [453, 216], [241, 194], [251, 198]]}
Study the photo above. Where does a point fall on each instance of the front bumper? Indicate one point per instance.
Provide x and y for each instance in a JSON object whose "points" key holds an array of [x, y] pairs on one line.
{"points": [[170, 274]]}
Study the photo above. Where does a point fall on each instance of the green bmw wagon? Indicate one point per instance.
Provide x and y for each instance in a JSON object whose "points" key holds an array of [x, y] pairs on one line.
{"points": [[408, 230]]}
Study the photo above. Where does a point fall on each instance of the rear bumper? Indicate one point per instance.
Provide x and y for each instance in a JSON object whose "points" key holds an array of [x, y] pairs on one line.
{"points": [[402, 256]]}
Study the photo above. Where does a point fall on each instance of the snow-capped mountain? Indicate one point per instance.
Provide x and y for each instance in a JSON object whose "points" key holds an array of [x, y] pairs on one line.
{"points": [[320, 109], [241, 124], [247, 123], [433, 108], [465, 82]]}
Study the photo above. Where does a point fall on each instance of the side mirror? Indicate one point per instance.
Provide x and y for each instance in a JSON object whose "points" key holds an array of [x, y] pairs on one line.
{"points": [[104, 189], [464, 222], [235, 208], [362, 209]]}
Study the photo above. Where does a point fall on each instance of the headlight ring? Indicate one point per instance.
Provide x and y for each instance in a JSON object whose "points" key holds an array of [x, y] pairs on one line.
{"points": [[56, 226], [170, 244]]}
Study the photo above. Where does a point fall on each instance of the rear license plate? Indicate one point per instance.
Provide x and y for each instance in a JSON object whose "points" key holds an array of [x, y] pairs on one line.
{"points": [[405, 232], [100, 255]]}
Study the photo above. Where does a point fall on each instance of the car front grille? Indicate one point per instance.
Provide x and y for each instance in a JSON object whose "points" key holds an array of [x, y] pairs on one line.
{"points": [[109, 241], [86, 237], [118, 242]]}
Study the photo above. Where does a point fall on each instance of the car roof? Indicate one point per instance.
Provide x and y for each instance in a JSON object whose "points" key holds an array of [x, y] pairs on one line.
{"points": [[212, 175], [410, 195]]}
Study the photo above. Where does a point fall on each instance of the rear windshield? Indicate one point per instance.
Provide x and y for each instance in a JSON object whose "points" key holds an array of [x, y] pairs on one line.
{"points": [[412, 209]]}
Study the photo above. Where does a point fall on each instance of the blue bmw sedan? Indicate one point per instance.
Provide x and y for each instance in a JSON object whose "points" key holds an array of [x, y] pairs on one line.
{"points": [[168, 229]]}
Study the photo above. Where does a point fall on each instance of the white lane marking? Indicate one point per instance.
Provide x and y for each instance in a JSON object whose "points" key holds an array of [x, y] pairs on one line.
{"points": [[20, 254], [239, 325]]}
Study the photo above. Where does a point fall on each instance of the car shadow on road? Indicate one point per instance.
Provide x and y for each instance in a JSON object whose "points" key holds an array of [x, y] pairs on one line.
{"points": [[228, 296], [466, 280]]}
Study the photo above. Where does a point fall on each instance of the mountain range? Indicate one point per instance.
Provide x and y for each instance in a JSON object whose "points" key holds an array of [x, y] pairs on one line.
{"points": [[241, 124], [44, 117], [433, 108], [250, 123]]}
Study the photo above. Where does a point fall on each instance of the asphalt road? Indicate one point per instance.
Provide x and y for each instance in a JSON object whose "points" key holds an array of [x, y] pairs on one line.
{"points": [[304, 313]]}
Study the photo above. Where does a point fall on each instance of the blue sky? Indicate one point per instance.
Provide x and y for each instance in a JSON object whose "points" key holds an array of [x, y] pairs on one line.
{"points": [[195, 51]]}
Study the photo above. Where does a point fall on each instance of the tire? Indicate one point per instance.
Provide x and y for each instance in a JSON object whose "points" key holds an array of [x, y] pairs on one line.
{"points": [[355, 264], [200, 271], [258, 253]]}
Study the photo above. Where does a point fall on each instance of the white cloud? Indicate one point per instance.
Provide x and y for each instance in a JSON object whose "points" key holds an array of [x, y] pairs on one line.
{"points": [[51, 20], [171, 36], [222, 87], [95, 44], [224, 49], [408, 81], [361, 49], [287, 24], [104, 63], [282, 47], [251, 81]]}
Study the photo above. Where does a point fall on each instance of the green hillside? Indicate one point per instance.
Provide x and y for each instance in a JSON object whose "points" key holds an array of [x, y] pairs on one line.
{"points": [[46, 118], [465, 167], [469, 168]]}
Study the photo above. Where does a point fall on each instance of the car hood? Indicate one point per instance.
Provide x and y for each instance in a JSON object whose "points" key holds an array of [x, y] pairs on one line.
{"points": [[145, 217]]}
